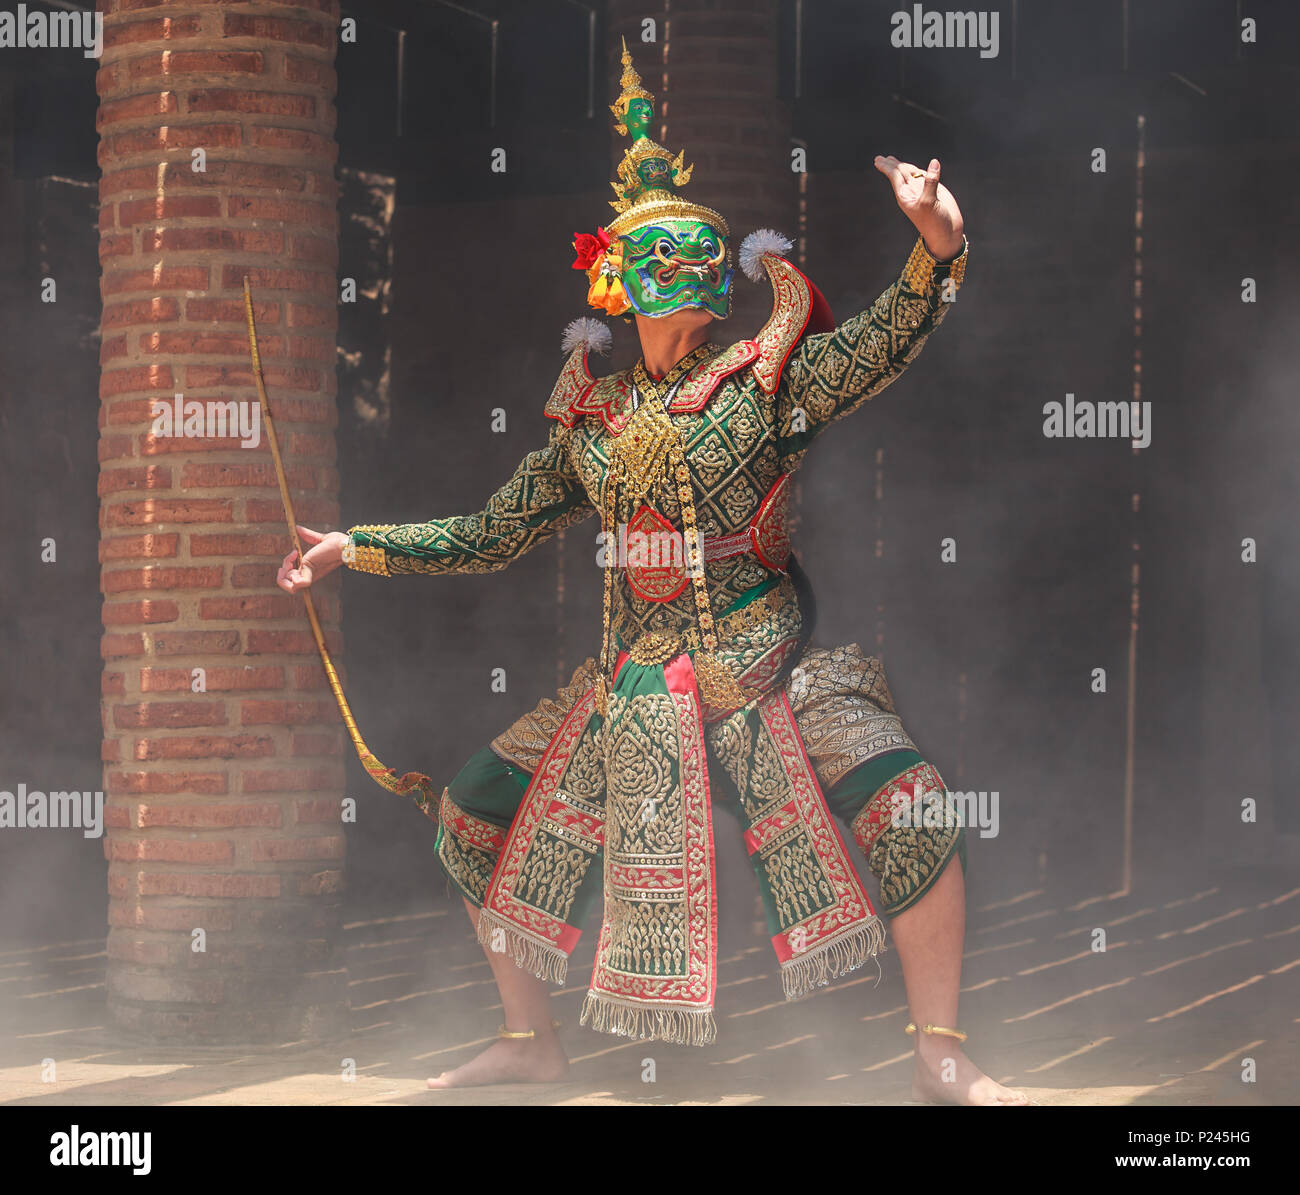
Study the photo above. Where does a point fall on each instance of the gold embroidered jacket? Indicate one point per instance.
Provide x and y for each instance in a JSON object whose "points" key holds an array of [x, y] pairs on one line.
{"points": [[746, 415]]}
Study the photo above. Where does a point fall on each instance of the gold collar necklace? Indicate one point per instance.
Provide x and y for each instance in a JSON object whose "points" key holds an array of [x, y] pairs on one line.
{"points": [[661, 389]]}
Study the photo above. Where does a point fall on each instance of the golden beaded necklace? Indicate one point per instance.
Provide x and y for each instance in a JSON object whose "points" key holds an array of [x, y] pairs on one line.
{"points": [[649, 443], [660, 388]]}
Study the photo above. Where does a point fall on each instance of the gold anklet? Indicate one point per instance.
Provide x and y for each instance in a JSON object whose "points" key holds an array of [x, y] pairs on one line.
{"points": [[521, 1034], [934, 1031]]}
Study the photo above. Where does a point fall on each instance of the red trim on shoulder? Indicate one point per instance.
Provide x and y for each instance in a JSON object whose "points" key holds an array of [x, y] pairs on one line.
{"points": [[797, 307], [695, 392], [610, 399], [571, 387]]}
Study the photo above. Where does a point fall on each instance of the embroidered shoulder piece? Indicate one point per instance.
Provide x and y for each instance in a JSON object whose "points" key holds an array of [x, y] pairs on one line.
{"points": [[696, 391], [609, 399], [767, 353], [792, 304], [577, 394], [574, 382]]}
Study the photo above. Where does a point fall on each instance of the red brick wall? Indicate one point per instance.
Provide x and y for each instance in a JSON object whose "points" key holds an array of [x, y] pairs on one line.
{"points": [[223, 806]]}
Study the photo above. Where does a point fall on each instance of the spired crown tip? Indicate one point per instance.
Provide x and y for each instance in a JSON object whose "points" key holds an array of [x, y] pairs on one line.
{"points": [[649, 178], [631, 88]]}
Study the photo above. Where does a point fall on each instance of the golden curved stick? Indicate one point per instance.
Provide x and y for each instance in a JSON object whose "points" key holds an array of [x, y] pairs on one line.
{"points": [[414, 784]]}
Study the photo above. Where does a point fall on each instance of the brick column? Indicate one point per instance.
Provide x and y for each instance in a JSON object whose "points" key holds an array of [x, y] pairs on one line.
{"points": [[713, 71], [222, 748]]}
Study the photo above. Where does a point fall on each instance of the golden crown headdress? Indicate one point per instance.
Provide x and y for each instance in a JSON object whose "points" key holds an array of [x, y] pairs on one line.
{"points": [[649, 176]]}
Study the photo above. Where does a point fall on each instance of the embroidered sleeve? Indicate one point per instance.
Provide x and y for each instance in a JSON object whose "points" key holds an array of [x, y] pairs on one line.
{"points": [[543, 497], [833, 373]]}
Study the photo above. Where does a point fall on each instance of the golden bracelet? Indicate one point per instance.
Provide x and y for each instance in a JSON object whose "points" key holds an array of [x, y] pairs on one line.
{"points": [[366, 558], [918, 274]]}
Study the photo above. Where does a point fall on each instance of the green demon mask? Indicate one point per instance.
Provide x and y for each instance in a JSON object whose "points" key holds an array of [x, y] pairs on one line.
{"points": [[674, 264]]}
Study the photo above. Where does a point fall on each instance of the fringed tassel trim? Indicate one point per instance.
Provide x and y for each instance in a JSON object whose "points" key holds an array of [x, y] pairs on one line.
{"points": [[830, 960], [680, 1026], [537, 958]]}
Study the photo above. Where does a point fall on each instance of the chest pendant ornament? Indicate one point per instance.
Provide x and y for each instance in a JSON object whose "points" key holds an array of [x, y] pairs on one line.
{"points": [[647, 449]]}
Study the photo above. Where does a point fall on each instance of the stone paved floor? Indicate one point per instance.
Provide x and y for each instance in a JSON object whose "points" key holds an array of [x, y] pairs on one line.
{"points": [[1190, 985]]}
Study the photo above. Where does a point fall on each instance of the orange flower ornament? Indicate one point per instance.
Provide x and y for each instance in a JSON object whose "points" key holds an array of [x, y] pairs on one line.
{"points": [[603, 263]]}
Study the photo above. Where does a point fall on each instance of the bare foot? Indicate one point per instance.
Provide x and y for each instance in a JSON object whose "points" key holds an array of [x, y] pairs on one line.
{"points": [[511, 1060], [944, 1075]]}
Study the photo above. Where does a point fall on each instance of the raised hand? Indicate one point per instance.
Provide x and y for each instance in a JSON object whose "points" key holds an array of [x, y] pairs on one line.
{"points": [[927, 203], [321, 559]]}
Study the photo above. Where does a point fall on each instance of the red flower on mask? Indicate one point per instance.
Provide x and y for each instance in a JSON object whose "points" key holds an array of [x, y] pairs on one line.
{"points": [[589, 248]]}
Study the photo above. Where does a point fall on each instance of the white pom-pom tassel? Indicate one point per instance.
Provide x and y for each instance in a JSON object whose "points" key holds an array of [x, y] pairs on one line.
{"points": [[752, 248], [588, 333]]}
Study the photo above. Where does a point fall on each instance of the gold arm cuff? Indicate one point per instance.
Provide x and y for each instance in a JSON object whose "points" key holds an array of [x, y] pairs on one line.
{"points": [[921, 265], [365, 558], [934, 1031]]}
